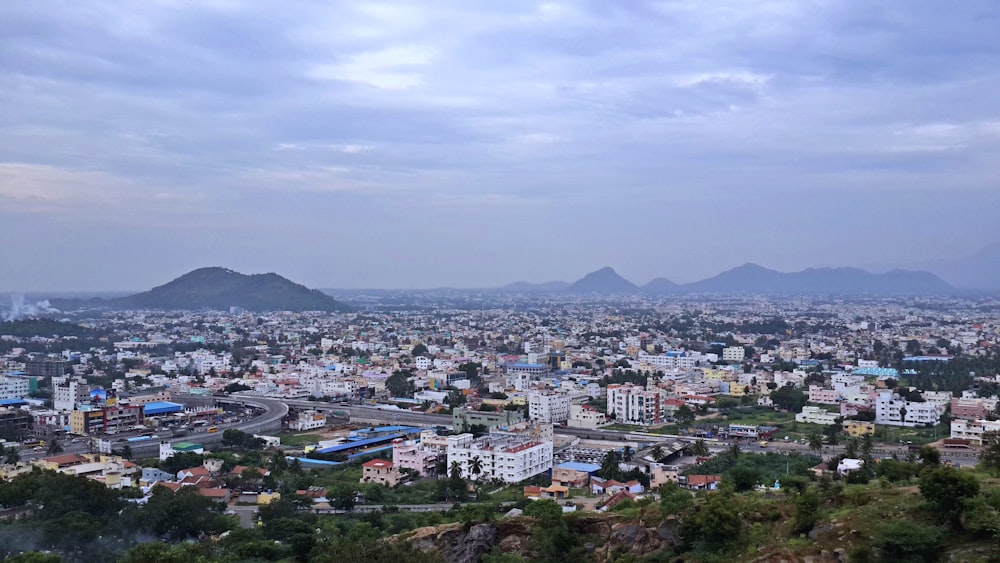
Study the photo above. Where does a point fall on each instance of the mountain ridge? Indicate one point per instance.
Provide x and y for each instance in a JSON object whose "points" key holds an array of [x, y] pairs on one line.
{"points": [[216, 287]]}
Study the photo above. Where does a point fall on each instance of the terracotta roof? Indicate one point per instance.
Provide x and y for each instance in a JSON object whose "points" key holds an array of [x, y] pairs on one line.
{"points": [[378, 463], [703, 479], [66, 459]]}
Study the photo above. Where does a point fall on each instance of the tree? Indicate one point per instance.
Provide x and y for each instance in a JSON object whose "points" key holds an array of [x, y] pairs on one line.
{"points": [[716, 526], [475, 466], [12, 456], [989, 457], [399, 384], [236, 388], [789, 398], [673, 499], [419, 350], [456, 470], [699, 448], [946, 489], [627, 454], [127, 452], [684, 415], [744, 476], [610, 468], [816, 442], [806, 511], [656, 452], [54, 447], [929, 455]]}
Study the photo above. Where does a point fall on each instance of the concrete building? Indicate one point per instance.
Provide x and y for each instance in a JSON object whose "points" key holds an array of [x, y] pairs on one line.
{"points": [[973, 430], [893, 411], [585, 416], [381, 472], [308, 420], [548, 406], [733, 354], [972, 409], [45, 367], [504, 457], [816, 415], [15, 423], [823, 396], [858, 428], [463, 419], [70, 393], [414, 456], [633, 404], [14, 387]]}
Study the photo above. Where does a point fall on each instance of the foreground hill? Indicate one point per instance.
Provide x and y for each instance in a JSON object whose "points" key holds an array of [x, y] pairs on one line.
{"points": [[221, 288]]}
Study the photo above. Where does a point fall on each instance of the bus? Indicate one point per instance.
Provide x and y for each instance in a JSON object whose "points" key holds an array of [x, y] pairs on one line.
{"points": [[212, 429]]}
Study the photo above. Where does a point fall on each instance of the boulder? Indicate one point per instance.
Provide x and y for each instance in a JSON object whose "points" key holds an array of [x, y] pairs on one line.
{"points": [[478, 542]]}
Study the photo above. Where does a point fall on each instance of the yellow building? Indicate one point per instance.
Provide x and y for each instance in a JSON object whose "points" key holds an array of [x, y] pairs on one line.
{"points": [[717, 374], [858, 428]]}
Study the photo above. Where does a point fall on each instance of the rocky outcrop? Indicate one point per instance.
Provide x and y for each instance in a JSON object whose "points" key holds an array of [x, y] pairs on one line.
{"points": [[477, 542]]}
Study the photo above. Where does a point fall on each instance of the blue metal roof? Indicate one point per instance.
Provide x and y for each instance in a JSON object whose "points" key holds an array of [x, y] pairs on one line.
{"points": [[359, 444], [579, 466], [12, 402], [161, 407]]}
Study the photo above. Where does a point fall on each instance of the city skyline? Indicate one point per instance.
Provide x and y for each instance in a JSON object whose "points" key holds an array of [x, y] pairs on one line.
{"points": [[384, 146]]}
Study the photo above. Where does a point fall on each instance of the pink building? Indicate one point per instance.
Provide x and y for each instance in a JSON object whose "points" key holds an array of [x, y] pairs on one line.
{"points": [[969, 409], [822, 396], [411, 455]]}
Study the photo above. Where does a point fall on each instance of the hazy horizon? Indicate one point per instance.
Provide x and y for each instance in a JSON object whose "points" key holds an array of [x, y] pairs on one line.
{"points": [[409, 147]]}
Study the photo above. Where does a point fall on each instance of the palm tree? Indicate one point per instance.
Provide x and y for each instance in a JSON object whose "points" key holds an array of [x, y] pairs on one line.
{"points": [[475, 466], [815, 441], [699, 448], [656, 452], [127, 452], [12, 456], [295, 466], [627, 454], [456, 470]]}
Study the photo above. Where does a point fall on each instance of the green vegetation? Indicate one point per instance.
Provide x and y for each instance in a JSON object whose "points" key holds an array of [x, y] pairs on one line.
{"points": [[299, 440]]}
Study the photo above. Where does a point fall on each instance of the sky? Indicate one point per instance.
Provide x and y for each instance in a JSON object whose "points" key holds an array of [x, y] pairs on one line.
{"points": [[473, 144]]}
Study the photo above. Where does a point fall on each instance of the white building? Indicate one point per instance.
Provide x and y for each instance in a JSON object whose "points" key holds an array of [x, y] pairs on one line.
{"points": [[308, 420], [973, 429], [634, 404], [670, 360], [733, 354], [13, 387], [504, 457], [547, 406], [583, 416], [816, 415], [893, 411], [69, 394]]}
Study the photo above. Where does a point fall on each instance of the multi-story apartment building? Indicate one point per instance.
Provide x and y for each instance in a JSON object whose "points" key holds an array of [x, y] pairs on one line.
{"points": [[504, 457], [733, 354], [972, 409], [973, 430], [670, 360], [823, 396], [415, 456], [45, 367], [69, 393], [548, 406], [14, 387], [893, 411], [634, 404]]}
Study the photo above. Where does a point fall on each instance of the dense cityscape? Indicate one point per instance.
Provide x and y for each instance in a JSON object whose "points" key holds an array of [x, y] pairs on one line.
{"points": [[410, 410]]}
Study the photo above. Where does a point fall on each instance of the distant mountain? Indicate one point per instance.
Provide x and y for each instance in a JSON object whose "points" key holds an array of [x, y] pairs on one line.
{"points": [[660, 285], [977, 271], [221, 288], [528, 287], [751, 278], [605, 280]]}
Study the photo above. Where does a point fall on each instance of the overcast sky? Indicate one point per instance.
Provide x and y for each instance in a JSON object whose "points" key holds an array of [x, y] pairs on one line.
{"points": [[473, 144]]}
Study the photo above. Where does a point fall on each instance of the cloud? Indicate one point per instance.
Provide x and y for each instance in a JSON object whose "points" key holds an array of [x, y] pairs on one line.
{"points": [[641, 117]]}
